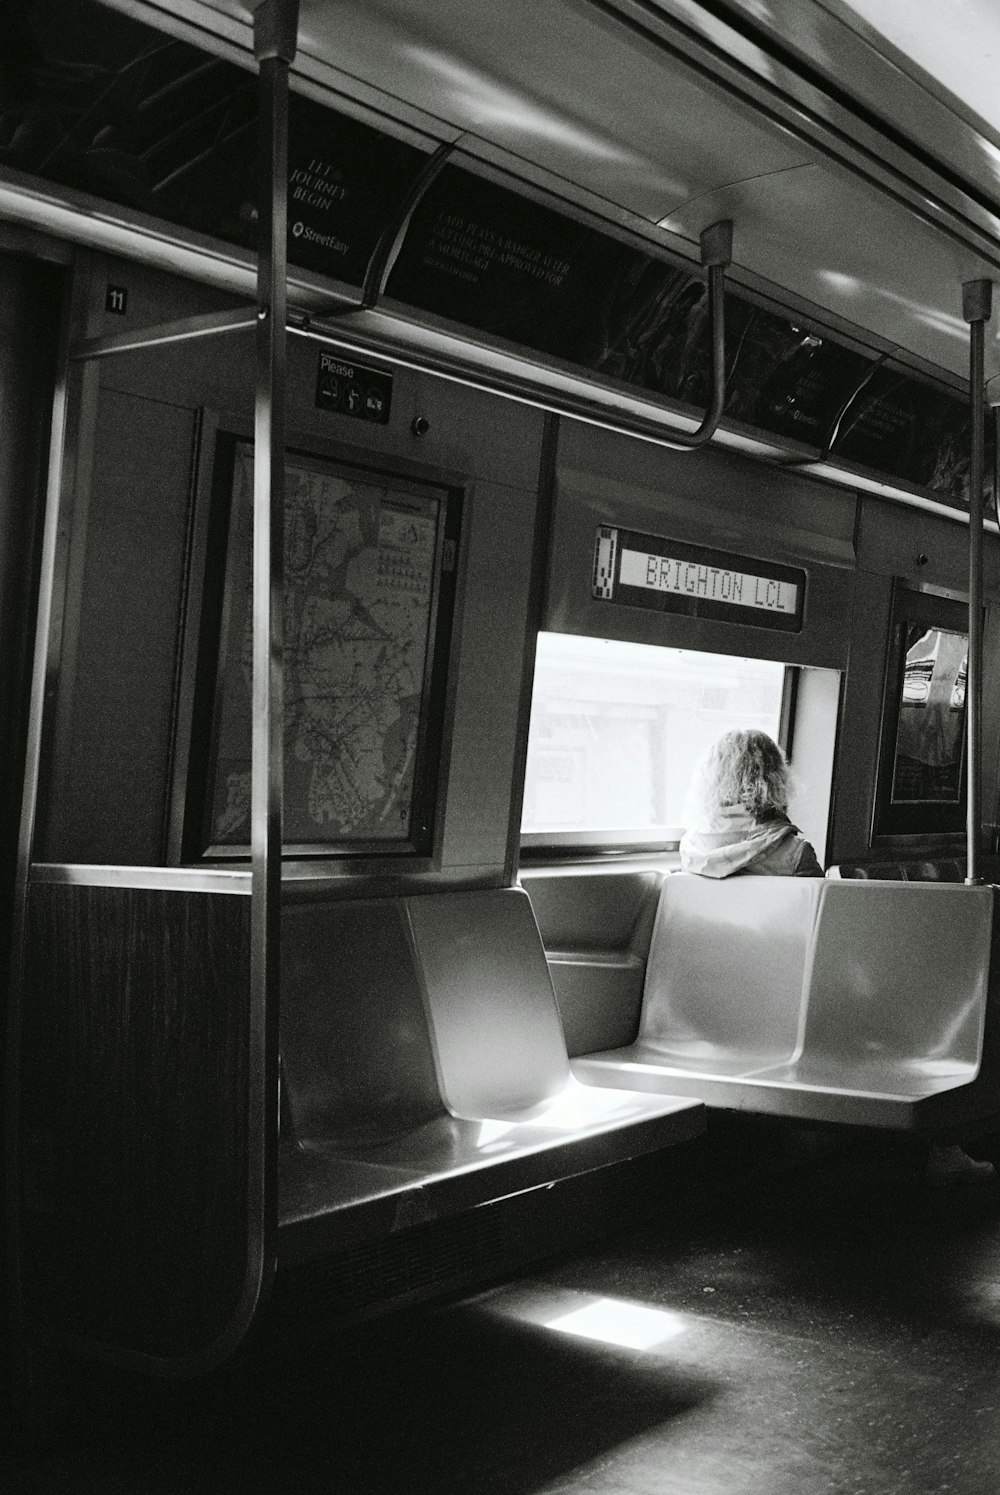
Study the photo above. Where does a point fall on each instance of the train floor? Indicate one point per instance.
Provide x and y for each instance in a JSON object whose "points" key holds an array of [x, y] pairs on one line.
{"points": [[830, 1327]]}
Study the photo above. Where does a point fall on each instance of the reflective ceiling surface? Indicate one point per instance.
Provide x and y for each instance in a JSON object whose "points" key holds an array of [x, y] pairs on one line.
{"points": [[923, 69], [950, 47], [860, 164]]}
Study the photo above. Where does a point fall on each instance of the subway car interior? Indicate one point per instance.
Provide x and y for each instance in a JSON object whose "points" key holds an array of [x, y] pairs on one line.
{"points": [[425, 429]]}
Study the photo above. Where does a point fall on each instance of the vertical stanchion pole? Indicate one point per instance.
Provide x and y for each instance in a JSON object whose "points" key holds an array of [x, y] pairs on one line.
{"points": [[275, 31], [995, 412], [995, 408], [993, 398], [977, 307], [70, 382]]}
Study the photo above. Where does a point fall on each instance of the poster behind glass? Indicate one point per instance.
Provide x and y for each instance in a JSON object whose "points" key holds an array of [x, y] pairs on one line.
{"points": [[922, 771], [362, 555]]}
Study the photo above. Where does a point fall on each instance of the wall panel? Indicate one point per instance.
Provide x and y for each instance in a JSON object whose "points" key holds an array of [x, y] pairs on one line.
{"points": [[708, 498], [118, 692], [134, 1081], [30, 298], [116, 687]]}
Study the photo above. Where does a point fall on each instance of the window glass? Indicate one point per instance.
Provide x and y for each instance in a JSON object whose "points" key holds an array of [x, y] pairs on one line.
{"points": [[617, 728], [930, 732], [922, 770]]}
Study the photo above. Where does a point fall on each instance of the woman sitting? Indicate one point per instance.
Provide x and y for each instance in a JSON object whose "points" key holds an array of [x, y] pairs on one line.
{"points": [[740, 822]]}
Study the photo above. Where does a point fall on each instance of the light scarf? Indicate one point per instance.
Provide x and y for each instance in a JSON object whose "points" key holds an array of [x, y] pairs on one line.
{"points": [[730, 841]]}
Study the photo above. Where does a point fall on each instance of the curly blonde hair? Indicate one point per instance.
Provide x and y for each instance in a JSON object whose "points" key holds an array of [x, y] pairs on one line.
{"points": [[744, 767]]}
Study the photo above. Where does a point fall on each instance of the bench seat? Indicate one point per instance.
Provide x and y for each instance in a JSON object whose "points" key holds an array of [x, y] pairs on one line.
{"points": [[425, 1070], [866, 1003]]}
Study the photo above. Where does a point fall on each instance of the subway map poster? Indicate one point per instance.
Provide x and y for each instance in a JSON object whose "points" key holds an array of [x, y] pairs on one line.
{"points": [[361, 553]]}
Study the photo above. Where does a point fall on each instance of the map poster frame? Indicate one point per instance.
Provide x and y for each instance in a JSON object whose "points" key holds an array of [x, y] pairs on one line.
{"points": [[921, 783], [370, 580]]}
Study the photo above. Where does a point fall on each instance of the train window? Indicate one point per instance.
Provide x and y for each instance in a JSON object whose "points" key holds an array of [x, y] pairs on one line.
{"points": [[369, 578], [921, 781], [617, 728]]}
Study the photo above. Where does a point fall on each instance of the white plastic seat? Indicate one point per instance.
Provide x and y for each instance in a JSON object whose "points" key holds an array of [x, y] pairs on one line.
{"points": [[726, 966], [425, 1069], [494, 1025], [897, 991], [877, 1014]]}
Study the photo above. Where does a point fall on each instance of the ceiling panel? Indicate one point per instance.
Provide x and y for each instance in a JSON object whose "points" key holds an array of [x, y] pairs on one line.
{"points": [[576, 93], [819, 233], [928, 70], [950, 47], [603, 114]]}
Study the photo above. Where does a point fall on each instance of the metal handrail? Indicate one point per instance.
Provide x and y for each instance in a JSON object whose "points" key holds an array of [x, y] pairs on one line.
{"points": [[977, 307], [716, 254], [391, 238]]}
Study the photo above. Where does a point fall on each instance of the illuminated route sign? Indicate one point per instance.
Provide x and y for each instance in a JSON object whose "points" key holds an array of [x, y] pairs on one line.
{"points": [[647, 571]]}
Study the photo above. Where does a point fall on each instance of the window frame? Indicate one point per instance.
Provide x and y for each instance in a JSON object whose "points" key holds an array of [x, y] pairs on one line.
{"points": [[204, 650], [905, 823], [577, 845]]}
